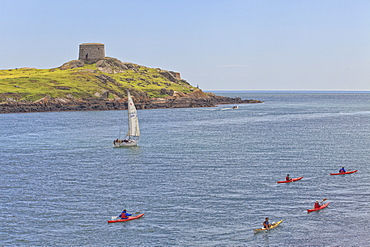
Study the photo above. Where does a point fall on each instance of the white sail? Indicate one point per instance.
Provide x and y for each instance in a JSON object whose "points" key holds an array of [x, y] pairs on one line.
{"points": [[133, 120], [133, 134]]}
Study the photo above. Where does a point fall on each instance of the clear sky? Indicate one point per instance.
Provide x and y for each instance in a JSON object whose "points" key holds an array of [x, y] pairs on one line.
{"points": [[216, 44]]}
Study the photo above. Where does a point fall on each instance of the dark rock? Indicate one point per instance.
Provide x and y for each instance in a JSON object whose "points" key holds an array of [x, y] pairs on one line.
{"points": [[105, 94], [141, 99]]}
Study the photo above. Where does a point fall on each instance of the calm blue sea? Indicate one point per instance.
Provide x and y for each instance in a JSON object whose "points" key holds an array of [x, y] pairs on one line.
{"points": [[202, 176]]}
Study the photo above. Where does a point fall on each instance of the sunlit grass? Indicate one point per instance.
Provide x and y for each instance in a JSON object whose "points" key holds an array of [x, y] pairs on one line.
{"points": [[31, 84]]}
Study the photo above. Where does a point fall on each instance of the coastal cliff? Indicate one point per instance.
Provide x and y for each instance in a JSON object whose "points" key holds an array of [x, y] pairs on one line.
{"points": [[61, 104], [101, 85]]}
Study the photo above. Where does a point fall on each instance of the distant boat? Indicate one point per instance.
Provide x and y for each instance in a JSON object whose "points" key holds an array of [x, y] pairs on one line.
{"points": [[133, 134], [235, 107]]}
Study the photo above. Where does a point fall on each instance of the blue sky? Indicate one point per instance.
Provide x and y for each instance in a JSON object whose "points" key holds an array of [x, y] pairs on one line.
{"points": [[218, 44]]}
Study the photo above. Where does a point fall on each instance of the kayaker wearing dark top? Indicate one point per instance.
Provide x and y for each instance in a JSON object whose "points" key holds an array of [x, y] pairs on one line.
{"points": [[266, 224], [342, 170], [124, 215], [288, 177]]}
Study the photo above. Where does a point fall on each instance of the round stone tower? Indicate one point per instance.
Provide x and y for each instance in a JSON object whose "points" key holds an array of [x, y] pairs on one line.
{"points": [[91, 52]]}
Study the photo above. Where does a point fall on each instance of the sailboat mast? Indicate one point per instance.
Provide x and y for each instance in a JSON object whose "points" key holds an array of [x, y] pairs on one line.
{"points": [[128, 114]]}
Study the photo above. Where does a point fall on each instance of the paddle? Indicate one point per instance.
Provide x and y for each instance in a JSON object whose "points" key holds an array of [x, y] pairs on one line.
{"points": [[323, 201]]}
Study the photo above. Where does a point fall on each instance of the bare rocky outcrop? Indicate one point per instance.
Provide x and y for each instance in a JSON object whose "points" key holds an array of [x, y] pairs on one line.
{"points": [[113, 66], [72, 64], [170, 75], [107, 65]]}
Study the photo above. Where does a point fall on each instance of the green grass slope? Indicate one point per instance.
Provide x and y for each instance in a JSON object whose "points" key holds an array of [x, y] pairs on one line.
{"points": [[76, 79]]}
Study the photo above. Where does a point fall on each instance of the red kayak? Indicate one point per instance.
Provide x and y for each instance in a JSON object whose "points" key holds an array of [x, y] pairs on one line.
{"points": [[289, 181], [128, 219], [343, 173], [317, 209]]}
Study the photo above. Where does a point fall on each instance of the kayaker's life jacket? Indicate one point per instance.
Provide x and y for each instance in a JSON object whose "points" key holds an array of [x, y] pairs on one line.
{"points": [[317, 205], [124, 215]]}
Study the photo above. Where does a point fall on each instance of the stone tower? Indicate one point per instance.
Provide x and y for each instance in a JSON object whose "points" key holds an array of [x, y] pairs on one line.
{"points": [[91, 52]]}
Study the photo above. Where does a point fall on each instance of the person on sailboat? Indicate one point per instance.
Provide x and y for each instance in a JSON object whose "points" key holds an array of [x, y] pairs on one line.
{"points": [[342, 170], [288, 177], [117, 141], [124, 214]]}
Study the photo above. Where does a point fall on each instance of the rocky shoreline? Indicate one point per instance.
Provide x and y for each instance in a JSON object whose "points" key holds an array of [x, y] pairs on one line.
{"points": [[48, 104]]}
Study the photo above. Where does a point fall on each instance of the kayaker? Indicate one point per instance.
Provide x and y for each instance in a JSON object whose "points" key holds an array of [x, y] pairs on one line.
{"points": [[342, 170], [317, 204], [288, 177], [266, 224], [124, 214]]}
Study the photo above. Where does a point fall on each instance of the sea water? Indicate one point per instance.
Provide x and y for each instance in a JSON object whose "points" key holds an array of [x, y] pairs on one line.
{"points": [[202, 176]]}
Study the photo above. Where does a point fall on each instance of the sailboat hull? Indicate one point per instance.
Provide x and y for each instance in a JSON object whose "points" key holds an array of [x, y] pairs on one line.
{"points": [[129, 143]]}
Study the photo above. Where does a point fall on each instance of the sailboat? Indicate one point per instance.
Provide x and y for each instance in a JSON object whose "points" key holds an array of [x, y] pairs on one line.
{"points": [[133, 134]]}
